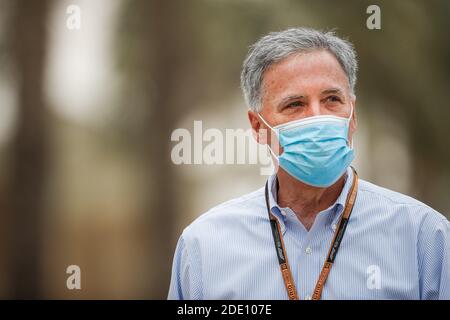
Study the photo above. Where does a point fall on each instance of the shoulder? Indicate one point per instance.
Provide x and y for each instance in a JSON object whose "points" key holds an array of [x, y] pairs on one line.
{"points": [[387, 195], [227, 217], [400, 206]]}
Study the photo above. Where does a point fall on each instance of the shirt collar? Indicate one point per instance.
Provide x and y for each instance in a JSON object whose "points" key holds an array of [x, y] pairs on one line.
{"points": [[336, 208]]}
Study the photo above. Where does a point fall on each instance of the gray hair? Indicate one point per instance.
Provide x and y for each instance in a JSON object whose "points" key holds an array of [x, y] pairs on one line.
{"points": [[277, 46]]}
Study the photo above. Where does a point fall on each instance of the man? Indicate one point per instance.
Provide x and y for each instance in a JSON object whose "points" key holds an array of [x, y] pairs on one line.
{"points": [[315, 231]]}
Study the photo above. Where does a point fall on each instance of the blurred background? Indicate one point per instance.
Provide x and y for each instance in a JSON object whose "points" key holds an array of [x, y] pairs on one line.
{"points": [[86, 118]]}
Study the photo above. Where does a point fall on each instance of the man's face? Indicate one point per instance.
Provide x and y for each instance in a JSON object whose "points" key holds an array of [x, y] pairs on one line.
{"points": [[301, 86]]}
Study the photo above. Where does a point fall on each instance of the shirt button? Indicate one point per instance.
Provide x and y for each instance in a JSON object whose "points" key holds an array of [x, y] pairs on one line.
{"points": [[334, 226], [308, 250], [307, 297], [276, 210]]}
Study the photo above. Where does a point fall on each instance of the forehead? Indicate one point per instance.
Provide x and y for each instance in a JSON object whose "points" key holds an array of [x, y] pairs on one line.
{"points": [[304, 73]]}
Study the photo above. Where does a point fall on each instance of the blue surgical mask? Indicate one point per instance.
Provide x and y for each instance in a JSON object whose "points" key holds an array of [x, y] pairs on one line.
{"points": [[316, 150]]}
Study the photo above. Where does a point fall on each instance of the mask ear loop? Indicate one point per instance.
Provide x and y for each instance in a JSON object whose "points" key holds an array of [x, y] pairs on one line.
{"points": [[270, 127]]}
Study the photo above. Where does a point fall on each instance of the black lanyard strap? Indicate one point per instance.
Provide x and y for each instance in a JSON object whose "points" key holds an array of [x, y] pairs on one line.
{"points": [[332, 252]]}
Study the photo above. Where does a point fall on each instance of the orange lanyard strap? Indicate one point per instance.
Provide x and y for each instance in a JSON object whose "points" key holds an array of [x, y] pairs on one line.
{"points": [[332, 252]]}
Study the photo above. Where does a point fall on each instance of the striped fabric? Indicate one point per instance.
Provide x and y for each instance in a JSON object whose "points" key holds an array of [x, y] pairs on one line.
{"points": [[394, 247]]}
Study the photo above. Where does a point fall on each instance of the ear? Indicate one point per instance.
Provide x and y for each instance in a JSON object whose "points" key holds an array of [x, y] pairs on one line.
{"points": [[258, 129], [353, 120]]}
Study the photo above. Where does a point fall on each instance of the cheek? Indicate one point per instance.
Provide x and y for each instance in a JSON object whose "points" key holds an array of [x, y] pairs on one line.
{"points": [[272, 141]]}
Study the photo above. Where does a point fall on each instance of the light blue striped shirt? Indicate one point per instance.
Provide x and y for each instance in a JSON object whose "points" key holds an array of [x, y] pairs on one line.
{"points": [[394, 247]]}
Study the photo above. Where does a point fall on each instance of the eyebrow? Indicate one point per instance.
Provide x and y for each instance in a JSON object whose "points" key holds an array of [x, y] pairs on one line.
{"points": [[333, 90], [295, 97]]}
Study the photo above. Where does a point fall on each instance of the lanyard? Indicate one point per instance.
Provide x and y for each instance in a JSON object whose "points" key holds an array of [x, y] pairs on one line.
{"points": [[332, 252]]}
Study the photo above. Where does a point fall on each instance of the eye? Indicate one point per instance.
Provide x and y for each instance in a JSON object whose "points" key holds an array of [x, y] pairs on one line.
{"points": [[333, 99], [295, 104]]}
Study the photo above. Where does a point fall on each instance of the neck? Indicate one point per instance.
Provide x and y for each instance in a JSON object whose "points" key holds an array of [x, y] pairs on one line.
{"points": [[306, 201]]}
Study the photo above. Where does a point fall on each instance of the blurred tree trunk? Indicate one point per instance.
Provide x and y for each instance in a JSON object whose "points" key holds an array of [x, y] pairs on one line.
{"points": [[163, 52], [171, 66], [29, 150]]}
